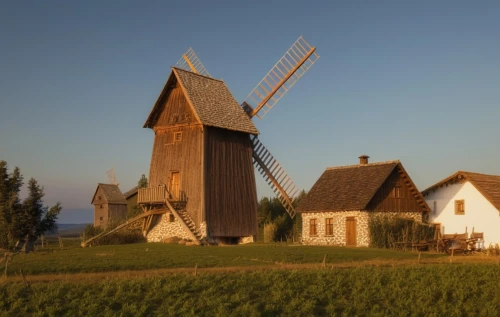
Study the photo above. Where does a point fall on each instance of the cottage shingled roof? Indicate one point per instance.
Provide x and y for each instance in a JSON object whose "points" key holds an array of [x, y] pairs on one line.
{"points": [[346, 187], [211, 100], [112, 194], [487, 185]]}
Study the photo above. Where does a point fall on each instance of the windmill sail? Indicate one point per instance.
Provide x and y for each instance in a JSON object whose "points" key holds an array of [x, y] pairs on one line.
{"points": [[112, 176], [275, 175], [287, 71], [190, 62]]}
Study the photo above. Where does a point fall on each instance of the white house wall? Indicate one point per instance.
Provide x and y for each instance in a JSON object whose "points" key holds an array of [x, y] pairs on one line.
{"points": [[480, 214]]}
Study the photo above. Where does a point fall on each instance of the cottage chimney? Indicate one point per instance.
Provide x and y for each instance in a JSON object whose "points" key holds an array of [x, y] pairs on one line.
{"points": [[363, 159]]}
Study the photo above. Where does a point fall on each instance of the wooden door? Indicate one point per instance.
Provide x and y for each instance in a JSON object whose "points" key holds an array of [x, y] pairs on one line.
{"points": [[350, 231], [174, 185]]}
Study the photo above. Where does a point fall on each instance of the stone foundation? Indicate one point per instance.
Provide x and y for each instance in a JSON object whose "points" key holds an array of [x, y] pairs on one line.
{"points": [[339, 226], [245, 240], [164, 228]]}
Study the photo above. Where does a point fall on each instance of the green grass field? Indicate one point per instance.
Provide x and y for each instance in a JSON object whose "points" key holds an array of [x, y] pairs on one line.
{"points": [[147, 256], [430, 290]]}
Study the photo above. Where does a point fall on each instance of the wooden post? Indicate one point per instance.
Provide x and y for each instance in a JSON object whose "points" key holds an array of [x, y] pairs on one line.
{"points": [[195, 268], [41, 237], [26, 283], [419, 257], [6, 264]]}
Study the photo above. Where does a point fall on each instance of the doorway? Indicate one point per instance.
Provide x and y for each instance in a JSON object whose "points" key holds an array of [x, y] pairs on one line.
{"points": [[350, 231], [174, 185]]}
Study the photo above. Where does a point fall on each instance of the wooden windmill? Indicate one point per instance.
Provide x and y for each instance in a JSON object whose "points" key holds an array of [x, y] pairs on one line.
{"points": [[282, 76], [202, 180]]}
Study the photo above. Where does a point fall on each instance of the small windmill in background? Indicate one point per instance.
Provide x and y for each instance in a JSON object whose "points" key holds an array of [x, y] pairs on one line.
{"points": [[112, 176]]}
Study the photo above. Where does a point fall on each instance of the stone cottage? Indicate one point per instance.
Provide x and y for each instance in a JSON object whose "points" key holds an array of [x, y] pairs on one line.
{"points": [[337, 208]]}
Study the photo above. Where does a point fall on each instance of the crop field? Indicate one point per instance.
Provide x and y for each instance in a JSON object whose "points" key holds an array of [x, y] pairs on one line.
{"points": [[247, 280], [431, 290]]}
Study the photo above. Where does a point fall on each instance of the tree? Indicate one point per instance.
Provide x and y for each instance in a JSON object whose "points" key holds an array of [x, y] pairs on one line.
{"points": [[10, 205], [271, 211], [27, 219], [143, 182]]}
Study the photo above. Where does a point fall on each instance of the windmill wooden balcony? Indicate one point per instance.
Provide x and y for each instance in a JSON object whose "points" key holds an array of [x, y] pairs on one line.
{"points": [[159, 195]]}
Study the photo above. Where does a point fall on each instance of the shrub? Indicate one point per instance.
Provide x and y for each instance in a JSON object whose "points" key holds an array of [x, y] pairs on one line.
{"points": [[269, 232], [123, 236], [385, 231]]}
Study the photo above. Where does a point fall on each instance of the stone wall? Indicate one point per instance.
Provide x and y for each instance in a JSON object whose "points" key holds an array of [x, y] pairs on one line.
{"points": [[339, 226], [164, 228]]}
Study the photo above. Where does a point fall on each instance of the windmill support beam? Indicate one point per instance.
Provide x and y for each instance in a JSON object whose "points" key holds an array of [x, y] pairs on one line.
{"points": [[282, 82], [193, 69]]}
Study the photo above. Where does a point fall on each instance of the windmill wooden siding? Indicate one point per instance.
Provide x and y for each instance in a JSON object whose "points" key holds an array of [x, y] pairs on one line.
{"points": [[348, 196], [184, 157], [213, 156], [231, 195]]}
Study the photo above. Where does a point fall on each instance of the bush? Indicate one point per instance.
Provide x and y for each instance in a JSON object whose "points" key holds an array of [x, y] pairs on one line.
{"points": [[123, 236], [269, 232], [385, 231]]}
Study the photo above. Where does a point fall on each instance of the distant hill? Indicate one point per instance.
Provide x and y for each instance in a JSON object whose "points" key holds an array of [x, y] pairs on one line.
{"points": [[70, 229]]}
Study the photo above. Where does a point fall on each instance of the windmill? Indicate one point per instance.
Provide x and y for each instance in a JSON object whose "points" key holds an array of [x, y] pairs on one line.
{"points": [[201, 184], [266, 94]]}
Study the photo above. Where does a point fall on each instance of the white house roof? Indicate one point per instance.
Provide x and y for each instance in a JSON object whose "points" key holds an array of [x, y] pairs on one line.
{"points": [[487, 185]]}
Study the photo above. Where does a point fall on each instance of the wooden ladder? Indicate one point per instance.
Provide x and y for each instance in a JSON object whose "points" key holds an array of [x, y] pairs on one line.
{"points": [[275, 175]]}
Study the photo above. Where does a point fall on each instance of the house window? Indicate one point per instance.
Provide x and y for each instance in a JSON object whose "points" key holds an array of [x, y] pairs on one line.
{"points": [[329, 227], [99, 197], [100, 206], [459, 207], [177, 136], [100, 218], [313, 227], [397, 192], [171, 218]]}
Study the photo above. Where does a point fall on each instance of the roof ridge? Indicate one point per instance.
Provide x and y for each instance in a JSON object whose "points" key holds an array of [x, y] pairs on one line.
{"points": [[474, 173], [187, 71], [363, 165]]}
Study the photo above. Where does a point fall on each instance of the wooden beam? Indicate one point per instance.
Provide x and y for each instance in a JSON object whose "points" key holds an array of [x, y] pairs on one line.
{"points": [[189, 63]]}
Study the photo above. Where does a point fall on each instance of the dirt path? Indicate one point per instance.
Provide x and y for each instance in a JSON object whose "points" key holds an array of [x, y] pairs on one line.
{"points": [[82, 277]]}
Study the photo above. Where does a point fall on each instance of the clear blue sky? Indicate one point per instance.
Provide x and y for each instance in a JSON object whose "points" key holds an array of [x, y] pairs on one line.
{"points": [[416, 81]]}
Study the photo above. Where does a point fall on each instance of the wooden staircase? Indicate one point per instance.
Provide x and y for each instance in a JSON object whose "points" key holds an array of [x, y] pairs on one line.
{"points": [[275, 175], [189, 223]]}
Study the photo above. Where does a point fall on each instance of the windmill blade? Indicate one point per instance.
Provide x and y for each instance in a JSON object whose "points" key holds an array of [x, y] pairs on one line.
{"points": [[112, 176], [287, 71], [190, 62], [275, 176]]}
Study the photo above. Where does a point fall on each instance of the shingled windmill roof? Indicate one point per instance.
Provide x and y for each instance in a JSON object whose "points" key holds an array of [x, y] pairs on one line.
{"points": [[112, 194], [210, 99], [487, 185]]}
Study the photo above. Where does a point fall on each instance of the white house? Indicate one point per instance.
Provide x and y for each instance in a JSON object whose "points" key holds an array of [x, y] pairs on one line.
{"points": [[466, 202]]}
